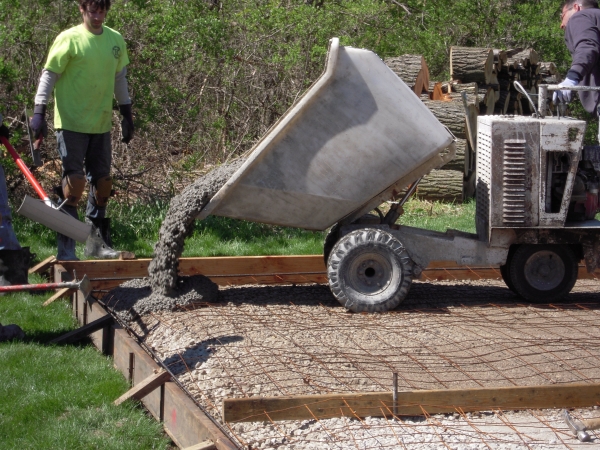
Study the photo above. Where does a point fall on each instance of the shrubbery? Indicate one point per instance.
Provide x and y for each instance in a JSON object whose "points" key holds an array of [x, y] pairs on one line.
{"points": [[208, 78]]}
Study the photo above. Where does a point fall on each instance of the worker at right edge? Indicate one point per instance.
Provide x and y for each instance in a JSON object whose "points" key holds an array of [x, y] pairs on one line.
{"points": [[581, 21]]}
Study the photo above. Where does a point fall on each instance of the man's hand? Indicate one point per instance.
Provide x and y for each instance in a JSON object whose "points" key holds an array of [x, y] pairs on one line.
{"points": [[4, 131], [127, 128], [38, 122], [564, 96]]}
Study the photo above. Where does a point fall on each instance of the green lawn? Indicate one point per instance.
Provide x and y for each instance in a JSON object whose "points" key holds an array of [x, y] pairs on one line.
{"points": [[135, 229], [60, 397]]}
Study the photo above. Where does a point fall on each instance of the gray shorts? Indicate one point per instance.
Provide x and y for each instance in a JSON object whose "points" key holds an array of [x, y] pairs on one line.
{"points": [[88, 154]]}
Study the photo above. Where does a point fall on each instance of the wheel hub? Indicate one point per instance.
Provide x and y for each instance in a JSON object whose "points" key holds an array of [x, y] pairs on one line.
{"points": [[370, 274], [544, 270]]}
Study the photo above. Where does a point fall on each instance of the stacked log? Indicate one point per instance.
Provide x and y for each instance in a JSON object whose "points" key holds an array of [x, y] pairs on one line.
{"points": [[472, 64], [482, 83], [413, 70]]}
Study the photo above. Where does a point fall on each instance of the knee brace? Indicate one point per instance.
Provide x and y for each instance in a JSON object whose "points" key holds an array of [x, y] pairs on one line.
{"points": [[73, 186], [102, 190]]}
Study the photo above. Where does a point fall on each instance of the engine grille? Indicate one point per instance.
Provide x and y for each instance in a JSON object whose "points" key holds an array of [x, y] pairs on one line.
{"points": [[514, 182], [484, 181]]}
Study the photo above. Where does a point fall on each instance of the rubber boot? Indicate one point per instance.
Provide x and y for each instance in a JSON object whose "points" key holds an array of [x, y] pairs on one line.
{"points": [[14, 266], [99, 243], [66, 248]]}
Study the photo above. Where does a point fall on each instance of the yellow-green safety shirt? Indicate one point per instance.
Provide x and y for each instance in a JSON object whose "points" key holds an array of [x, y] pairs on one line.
{"points": [[87, 64]]}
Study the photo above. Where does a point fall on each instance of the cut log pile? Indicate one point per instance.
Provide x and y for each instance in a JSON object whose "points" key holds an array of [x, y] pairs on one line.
{"points": [[481, 83]]}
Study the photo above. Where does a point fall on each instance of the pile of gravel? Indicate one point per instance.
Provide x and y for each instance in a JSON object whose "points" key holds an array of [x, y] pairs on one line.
{"points": [[135, 298]]}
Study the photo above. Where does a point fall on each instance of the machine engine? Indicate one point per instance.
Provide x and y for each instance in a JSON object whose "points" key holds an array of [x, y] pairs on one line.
{"points": [[584, 203]]}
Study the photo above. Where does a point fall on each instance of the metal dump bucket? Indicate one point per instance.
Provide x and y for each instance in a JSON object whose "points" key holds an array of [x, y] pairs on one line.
{"points": [[354, 139]]}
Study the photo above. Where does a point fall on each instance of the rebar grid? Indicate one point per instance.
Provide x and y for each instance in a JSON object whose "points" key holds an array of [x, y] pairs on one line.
{"points": [[296, 340]]}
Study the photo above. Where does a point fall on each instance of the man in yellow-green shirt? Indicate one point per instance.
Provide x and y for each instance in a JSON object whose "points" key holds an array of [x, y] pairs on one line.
{"points": [[86, 68]]}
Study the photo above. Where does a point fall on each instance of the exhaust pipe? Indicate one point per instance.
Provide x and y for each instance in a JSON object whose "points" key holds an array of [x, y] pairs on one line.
{"points": [[56, 220]]}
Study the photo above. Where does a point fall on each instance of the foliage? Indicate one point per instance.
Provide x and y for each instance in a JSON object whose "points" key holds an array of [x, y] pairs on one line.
{"points": [[208, 78]]}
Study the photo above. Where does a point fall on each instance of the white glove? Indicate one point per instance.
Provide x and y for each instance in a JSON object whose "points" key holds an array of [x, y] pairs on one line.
{"points": [[564, 96]]}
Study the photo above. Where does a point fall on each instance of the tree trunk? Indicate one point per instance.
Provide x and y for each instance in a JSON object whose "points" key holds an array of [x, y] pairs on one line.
{"points": [[458, 163], [471, 64], [413, 70], [451, 114], [442, 185]]}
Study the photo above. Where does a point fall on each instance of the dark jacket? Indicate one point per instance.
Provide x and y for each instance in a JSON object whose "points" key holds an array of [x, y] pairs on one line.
{"points": [[582, 36]]}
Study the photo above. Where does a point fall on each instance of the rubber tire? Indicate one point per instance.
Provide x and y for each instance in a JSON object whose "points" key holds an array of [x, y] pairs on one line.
{"points": [[330, 240], [522, 258], [505, 271], [386, 261]]}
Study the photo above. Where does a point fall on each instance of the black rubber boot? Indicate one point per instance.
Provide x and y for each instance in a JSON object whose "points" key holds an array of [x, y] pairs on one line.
{"points": [[14, 266], [99, 243]]}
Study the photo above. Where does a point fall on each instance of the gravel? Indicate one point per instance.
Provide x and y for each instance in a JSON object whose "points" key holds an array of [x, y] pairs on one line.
{"points": [[297, 340]]}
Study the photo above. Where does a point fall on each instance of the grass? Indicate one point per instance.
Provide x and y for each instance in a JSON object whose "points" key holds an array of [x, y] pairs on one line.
{"points": [[60, 397], [135, 228]]}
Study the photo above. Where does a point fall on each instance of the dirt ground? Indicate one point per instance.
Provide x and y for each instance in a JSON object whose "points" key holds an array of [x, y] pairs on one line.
{"points": [[290, 340]]}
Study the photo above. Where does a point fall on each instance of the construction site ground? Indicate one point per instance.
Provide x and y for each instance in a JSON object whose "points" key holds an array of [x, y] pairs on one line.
{"points": [[262, 341]]}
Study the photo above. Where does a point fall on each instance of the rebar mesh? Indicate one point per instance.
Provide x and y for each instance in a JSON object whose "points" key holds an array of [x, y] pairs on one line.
{"points": [[297, 340]]}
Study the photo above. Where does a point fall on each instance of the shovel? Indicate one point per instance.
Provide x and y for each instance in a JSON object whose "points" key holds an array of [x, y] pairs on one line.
{"points": [[83, 285], [44, 211]]}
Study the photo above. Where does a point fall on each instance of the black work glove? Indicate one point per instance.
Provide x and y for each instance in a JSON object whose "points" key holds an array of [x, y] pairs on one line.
{"points": [[127, 128], [4, 131], [38, 122]]}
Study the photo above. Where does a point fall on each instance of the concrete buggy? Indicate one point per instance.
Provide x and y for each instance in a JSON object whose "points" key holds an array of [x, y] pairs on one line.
{"points": [[360, 137]]}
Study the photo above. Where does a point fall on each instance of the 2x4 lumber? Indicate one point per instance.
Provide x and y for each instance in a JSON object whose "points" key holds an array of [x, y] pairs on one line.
{"points": [[213, 266], [144, 387], [311, 267], [59, 294], [86, 330], [410, 403], [43, 266], [206, 445]]}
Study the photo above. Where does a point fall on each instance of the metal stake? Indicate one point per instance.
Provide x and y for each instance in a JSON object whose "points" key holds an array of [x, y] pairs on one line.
{"points": [[395, 393]]}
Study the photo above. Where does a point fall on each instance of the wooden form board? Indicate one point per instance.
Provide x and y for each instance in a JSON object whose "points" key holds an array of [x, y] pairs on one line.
{"points": [[410, 403], [183, 421], [225, 271]]}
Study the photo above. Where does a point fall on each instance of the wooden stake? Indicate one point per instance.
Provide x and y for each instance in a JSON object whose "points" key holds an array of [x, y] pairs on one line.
{"points": [[59, 294], [86, 330], [43, 266], [144, 387], [205, 445]]}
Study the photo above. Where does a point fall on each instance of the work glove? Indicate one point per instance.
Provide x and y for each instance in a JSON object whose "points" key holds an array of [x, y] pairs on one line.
{"points": [[564, 96], [3, 129], [38, 122], [127, 128]]}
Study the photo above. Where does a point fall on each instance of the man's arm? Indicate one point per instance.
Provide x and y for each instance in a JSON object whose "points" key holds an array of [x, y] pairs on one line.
{"points": [[45, 88], [583, 40], [124, 101]]}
